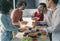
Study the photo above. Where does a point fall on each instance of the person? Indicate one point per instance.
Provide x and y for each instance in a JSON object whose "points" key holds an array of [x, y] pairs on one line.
{"points": [[47, 18], [39, 13], [5, 22], [47, 15], [55, 28], [16, 14]]}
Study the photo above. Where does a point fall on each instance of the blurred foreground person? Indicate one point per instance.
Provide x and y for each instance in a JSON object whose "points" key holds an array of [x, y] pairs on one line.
{"points": [[7, 27]]}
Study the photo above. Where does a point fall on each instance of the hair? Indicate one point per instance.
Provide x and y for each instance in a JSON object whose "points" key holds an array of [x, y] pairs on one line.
{"points": [[55, 1], [43, 4], [5, 7], [19, 4]]}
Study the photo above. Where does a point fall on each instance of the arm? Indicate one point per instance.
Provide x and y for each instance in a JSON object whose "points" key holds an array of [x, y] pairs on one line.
{"points": [[35, 14], [44, 21], [14, 18], [56, 25], [6, 23]]}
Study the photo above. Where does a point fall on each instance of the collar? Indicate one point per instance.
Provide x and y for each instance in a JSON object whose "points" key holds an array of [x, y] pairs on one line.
{"points": [[58, 6]]}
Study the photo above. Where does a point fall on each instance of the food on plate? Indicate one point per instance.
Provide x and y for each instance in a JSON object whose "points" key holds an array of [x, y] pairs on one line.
{"points": [[25, 34], [32, 33], [33, 23], [27, 39], [30, 28], [42, 37], [24, 22], [23, 29], [39, 27], [35, 18], [43, 32], [35, 39], [39, 34]]}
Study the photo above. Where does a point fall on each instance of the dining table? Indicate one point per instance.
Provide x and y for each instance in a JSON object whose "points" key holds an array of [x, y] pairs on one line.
{"points": [[19, 36]]}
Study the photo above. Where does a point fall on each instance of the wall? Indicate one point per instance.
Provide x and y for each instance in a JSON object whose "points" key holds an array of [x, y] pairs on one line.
{"points": [[39, 1]]}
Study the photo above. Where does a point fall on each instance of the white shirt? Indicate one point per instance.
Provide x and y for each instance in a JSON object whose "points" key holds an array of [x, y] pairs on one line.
{"points": [[55, 28], [48, 17]]}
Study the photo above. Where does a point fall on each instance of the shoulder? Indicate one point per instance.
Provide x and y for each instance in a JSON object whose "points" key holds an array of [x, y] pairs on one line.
{"points": [[35, 13], [57, 11], [14, 10]]}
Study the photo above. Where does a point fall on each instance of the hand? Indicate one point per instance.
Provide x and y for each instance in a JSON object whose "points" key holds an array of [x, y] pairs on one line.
{"points": [[43, 32], [24, 22], [22, 29], [37, 22], [39, 28]]}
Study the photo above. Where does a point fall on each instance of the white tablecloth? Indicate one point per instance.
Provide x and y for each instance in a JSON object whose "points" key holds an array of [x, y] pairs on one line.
{"points": [[19, 36]]}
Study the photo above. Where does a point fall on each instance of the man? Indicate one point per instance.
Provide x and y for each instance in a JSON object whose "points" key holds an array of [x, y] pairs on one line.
{"points": [[16, 14], [47, 17], [39, 13], [55, 28]]}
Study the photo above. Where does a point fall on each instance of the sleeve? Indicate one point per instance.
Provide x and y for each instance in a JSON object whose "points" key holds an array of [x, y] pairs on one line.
{"points": [[49, 17], [21, 14], [35, 14], [56, 25], [44, 21], [7, 25], [13, 16]]}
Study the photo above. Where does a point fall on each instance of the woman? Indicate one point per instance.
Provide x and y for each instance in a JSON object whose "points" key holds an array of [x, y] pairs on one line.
{"points": [[55, 28], [16, 14], [39, 13], [7, 27]]}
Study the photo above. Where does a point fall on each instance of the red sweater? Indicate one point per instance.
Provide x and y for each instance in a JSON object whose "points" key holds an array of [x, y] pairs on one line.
{"points": [[41, 16]]}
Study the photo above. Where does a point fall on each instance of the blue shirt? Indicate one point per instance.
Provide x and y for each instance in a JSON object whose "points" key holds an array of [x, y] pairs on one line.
{"points": [[7, 27], [6, 23]]}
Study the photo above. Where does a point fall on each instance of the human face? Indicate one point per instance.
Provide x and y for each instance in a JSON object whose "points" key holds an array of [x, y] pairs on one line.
{"points": [[23, 6], [48, 3], [40, 8]]}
